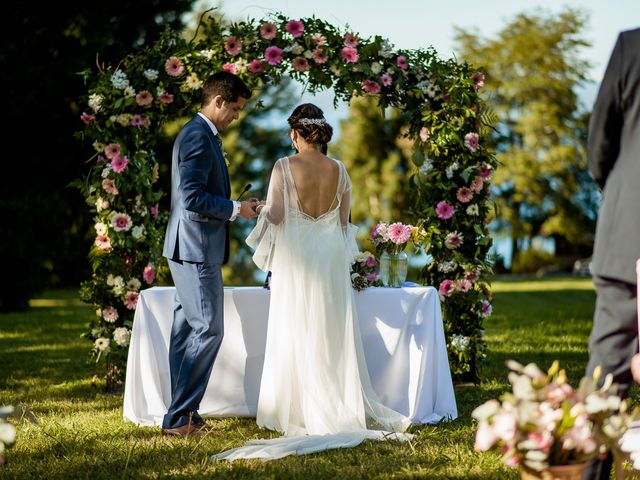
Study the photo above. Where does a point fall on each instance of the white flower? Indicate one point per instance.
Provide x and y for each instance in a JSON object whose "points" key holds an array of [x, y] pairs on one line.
{"points": [[95, 102], [117, 283], [460, 342], [452, 168], [123, 119], [335, 70], [101, 204], [106, 170], [354, 276], [110, 280], [99, 312], [98, 146], [150, 74], [423, 85], [431, 91], [386, 49], [308, 54], [208, 54], [102, 344], [137, 232], [241, 65], [122, 336], [7, 434], [101, 228], [119, 80], [376, 68], [129, 92], [446, 267], [193, 82], [473, 210], [134, 284], [426, 166]]}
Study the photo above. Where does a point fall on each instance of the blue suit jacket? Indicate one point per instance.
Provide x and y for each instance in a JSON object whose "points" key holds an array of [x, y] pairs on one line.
{"points": [[198, 228]]}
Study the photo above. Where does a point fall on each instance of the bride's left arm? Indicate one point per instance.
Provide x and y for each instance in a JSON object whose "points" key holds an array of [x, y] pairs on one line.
{"points": [[273, 209], [348, 228]]}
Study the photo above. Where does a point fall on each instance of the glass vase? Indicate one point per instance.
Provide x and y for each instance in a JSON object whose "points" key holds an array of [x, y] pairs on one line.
{"points": [[393, 269]]}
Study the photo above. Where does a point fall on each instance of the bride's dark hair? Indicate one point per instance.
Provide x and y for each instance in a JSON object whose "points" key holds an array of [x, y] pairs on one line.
{"points": [[302, 121]]}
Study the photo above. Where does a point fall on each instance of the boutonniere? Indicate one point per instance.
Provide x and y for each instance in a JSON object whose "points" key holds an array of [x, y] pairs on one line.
{"points": [[226, 157]]}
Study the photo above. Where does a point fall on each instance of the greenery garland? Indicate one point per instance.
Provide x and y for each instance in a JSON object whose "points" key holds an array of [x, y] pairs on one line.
{"points": [[127, 105]]}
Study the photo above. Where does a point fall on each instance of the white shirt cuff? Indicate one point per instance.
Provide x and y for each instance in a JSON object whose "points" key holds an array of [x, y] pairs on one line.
{"points": [[236, 211]]}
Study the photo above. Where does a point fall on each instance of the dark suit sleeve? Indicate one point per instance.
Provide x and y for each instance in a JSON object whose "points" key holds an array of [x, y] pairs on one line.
{"points": [[195, 166], [606, 119]]}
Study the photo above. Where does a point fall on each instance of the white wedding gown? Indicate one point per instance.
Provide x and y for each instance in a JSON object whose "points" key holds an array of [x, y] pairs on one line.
{"points": [[315, 385]]}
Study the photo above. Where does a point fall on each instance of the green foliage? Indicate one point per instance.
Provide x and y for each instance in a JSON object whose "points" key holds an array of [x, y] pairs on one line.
{"points": [[534, 67], [531, 260], [435, 101]]}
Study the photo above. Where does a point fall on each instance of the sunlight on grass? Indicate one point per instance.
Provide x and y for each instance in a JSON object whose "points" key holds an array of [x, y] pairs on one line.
{"points": [[546, 285], [53, 302]]}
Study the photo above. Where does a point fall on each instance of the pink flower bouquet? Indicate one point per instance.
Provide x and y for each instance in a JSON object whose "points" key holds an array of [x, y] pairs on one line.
{"points": [[394, 238], [545, 422]]}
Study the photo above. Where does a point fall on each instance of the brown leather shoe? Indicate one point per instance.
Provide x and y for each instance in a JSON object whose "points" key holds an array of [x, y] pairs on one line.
{"points": [[186, 430]]}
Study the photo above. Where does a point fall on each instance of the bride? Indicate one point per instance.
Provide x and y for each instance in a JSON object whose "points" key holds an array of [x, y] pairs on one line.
{"points": [[315, 385]]}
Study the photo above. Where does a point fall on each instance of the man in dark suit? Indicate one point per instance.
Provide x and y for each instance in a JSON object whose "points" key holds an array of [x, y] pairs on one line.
{"points": [[614, 162], [197, 244]]}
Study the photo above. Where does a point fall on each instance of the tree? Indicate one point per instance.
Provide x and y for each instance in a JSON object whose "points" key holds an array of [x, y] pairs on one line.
{"points": [[378, 161], [533, 68], [45, 224]]}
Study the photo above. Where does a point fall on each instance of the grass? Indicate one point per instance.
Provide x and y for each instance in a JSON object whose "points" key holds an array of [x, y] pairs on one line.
{"points": [[81, 433]]}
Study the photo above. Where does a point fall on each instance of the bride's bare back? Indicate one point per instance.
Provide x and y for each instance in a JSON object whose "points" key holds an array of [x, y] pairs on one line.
{"points": [[316, 178]]}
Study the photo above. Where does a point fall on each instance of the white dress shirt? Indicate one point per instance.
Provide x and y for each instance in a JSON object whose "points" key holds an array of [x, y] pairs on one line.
{"points": [[236, 205]]}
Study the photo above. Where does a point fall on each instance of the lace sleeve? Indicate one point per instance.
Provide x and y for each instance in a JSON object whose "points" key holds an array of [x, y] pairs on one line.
{"points": [[262, 237]]}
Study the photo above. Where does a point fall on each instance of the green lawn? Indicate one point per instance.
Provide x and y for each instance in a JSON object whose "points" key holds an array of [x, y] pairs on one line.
{"points": [[81, 433]]}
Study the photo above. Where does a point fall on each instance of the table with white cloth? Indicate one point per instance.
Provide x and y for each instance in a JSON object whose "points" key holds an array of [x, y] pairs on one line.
{"points": [[402, 335]]}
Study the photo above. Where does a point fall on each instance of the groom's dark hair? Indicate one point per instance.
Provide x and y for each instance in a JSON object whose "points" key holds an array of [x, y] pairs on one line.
{"points": [[229, 86]]}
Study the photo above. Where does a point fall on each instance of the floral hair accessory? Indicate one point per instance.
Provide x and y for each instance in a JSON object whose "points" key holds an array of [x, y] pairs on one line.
{"points": [[312, 121]]}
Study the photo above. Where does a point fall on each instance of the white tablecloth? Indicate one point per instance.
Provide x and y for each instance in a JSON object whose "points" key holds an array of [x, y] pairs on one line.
{"points": [[401, 331]]}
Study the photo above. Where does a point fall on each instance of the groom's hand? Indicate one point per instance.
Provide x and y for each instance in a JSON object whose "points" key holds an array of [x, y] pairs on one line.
{"points": [[247, 209]]}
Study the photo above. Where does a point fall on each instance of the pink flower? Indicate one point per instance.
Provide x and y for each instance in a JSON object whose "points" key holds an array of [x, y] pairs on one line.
{"points": [[144, 98], [232, 45], [350, 55], [472, 276], [386, 79], [504, 426], [472, 141], [401, 61], [464, 194], [268, 31], [109, 186], [295, 28], [485, 171], [485, 437], [399, 233], [131, 300], [371, 87], [174, 67], [447, 287], [230, 67], [424, 134], [477, 184], [103, 242], [273, 55], [512, 461], [372, 276], [444, 210], [154, 210], [485, 309], [478, 80], [149, 274], [87, 118], [318, 39], [351, 40], [317, 56], [300, 64], [101, 160], [110, 314], [119, 163], [166, 98], [453, 240], [543, 441], [370, 262], [112, 150], [255, 66], [121, 222], [463, 285], [138, 120]]}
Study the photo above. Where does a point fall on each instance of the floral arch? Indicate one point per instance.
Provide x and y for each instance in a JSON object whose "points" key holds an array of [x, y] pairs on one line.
{"points": [[126, 106]]}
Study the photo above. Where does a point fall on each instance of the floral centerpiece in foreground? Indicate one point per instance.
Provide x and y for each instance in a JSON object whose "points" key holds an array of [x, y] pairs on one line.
{"points": [[364, 271], [544, 422], [390, 241]]}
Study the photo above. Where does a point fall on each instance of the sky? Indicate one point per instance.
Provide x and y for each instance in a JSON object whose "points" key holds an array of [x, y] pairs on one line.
{"points": [[413, 24]]}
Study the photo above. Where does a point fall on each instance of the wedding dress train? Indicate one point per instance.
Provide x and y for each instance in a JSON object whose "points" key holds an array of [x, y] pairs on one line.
{"points": [[315, 385]]}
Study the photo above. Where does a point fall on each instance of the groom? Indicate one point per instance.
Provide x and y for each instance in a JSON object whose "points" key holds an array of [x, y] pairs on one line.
{"points": [[197, 245]]}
